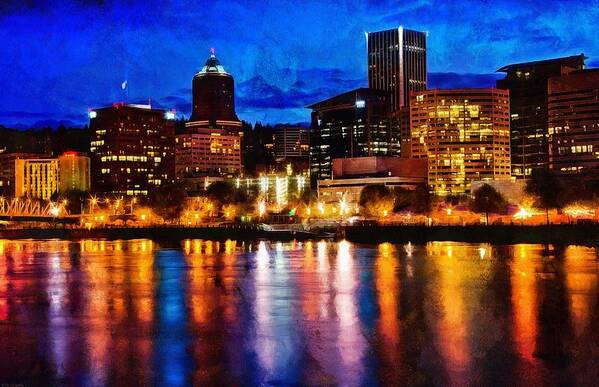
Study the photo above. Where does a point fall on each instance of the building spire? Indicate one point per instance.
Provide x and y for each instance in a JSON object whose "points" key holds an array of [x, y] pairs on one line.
{"points": [[212, 52]]}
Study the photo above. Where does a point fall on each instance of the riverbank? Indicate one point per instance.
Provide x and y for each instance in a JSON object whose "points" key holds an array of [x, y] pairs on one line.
{"points": [[587, 234], [583, 234], [236, 232]]}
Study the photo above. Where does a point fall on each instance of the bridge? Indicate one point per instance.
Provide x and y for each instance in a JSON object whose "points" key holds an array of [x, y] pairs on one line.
{"points": [[31, 210]]}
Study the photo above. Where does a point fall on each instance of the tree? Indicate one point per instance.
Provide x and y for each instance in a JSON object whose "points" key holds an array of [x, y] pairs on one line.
{"points": [[74, 199], [168, 201], [488, 200], [403, 198], [221, 193], [376, 200], [547, 189], [422, 199]]}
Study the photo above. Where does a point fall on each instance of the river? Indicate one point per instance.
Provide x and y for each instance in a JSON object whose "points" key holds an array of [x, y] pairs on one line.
{"points": [[135, 312]]}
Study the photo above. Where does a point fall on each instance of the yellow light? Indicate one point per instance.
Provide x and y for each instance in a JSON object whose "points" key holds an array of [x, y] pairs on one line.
{"points": [[320, 206], [342, 206], [449, 211], [261, 208], [54, 211], [577, 211], [523, 213]]}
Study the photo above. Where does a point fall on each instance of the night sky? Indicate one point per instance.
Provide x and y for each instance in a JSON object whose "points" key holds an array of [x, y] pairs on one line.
{"points": [[58, 60]]}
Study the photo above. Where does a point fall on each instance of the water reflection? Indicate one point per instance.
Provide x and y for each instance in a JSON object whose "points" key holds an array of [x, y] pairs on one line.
{"points": [[312, 313]]}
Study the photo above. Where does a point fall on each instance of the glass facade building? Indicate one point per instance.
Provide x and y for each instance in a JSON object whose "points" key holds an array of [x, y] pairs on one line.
{"points": [[527, 83], [353, 124], [397, 63], [574, 124]]}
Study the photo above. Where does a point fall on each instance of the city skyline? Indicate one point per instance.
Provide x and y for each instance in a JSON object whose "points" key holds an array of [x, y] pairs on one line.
{"points": [[90, 49]]}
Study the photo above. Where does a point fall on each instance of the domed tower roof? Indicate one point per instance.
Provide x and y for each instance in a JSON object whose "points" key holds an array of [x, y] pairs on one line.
{"points": [[212, 65], [213, 93]]}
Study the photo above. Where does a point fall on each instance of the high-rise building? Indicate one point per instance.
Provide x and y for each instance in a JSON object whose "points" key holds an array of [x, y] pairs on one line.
{"points": [[291, 142], [527, 83], [213, 103], [211, 144], [358, 123], [7, 170], [574, 124], [73, 172], [42, 177], [36, 178], [206, 152], [292, 148], [397, 63], [133, 149], [464, 133]]}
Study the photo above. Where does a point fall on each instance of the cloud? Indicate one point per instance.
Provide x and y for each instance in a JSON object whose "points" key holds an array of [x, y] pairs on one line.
{"points": [[282, 60]]}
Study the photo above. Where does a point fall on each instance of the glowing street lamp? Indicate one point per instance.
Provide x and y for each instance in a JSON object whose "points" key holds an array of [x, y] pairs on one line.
{"points": [[54, 210]]}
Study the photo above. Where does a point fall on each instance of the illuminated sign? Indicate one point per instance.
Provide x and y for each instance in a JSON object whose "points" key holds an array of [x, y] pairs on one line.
{"points": [[92, 114], [360, 104], [169, 115]]}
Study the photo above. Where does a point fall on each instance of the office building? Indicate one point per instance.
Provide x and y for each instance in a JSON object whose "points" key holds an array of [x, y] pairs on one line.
{"points": [[36, 178], [397, 63], [574, 124], [7, 170], [213, 92], [527, 84], [73, 172], [206, 152], [291, 142], [357, 123], [132, 149], [292, 148], [464, 133], [40, 178]]}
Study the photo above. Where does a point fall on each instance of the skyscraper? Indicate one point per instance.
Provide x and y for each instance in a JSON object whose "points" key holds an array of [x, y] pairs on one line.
{"points": [[574, 124], [464, 133], [357, 123], [397, 63], [527, 83], [213, 103], [211, 144], [132, 148]]}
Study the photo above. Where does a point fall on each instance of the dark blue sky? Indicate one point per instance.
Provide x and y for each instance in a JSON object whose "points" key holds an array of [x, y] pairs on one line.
{"points": [[58, 60]]}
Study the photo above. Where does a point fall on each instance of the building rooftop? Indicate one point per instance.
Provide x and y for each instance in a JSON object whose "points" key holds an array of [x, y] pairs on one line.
{"points": [[348, 97], [574, 61], [212, 65]]}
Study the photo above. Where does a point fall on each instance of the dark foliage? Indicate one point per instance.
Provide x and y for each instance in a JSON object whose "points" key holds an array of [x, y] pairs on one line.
{"points": [[488, 200]]}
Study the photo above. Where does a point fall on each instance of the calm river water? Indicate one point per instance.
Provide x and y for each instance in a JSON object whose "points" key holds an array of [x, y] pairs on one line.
{"points": [[313, 313]]}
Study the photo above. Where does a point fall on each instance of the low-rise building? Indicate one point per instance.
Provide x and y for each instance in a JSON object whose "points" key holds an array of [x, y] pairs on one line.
{"points": [[351, 175]]}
